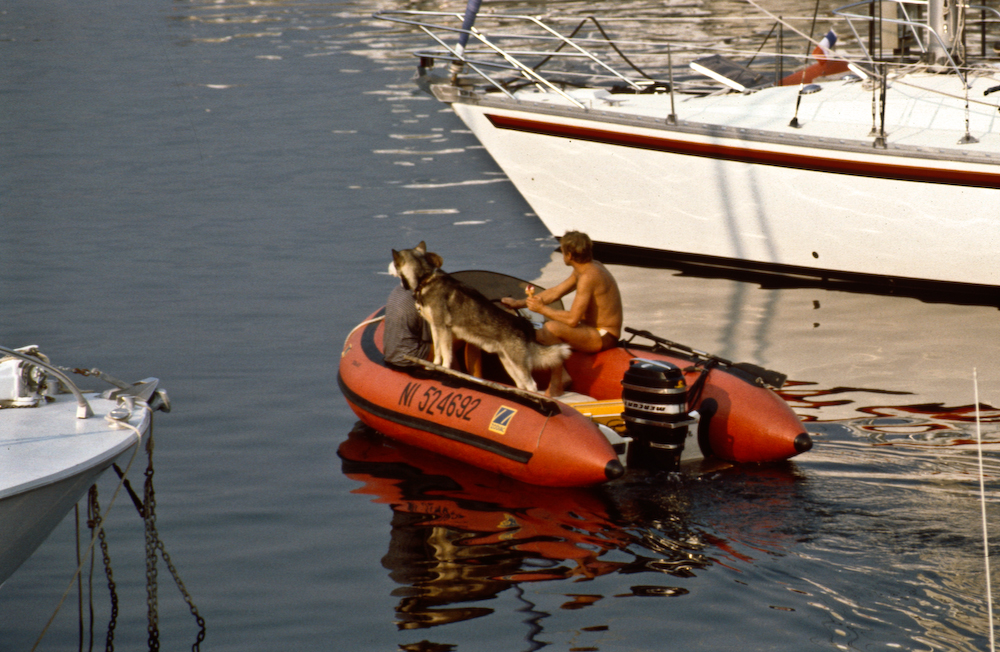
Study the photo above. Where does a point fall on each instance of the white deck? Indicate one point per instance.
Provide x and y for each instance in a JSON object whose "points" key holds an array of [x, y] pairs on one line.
{"points": [[46, 444], [922, 110], [48, 460]]}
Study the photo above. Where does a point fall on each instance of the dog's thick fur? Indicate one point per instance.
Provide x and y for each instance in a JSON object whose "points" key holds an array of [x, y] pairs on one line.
{"points": [[455, 310]]}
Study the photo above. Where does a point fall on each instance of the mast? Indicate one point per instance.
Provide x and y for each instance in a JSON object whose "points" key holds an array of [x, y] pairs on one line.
{"points": [[942, 19]]}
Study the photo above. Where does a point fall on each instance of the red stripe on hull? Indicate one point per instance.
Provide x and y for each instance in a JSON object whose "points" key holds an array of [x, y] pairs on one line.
{"points": [[747, 155]]}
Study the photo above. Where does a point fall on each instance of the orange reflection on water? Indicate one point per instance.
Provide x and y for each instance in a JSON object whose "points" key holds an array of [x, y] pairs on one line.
{"points": [[927, 419], [461, 534]]}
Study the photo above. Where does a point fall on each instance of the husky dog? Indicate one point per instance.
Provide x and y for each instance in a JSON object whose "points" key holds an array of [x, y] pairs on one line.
{"points": [[455, 310]]}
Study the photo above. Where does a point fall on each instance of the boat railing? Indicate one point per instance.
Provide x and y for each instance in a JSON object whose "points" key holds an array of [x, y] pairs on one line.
{"points": [[523, 45], [914, 26], [83, 410], [505, 59], [557, 53]]}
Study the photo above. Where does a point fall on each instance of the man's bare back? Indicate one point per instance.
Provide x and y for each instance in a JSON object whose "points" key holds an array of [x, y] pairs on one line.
{"points": [[604, 310]]}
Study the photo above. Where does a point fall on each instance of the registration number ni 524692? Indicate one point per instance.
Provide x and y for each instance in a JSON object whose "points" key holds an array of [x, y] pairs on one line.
{"points": [[436, 401]]}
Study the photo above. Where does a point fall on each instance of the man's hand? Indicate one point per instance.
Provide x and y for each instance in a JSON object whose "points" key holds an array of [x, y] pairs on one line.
{"points": [[512, 303]]}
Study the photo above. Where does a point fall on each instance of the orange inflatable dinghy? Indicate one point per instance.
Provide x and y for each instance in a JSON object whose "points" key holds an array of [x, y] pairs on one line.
{"points": [[650, 403]]}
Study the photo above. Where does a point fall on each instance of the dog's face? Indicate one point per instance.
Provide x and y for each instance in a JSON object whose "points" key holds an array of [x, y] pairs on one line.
{"points": [[414, 265]]}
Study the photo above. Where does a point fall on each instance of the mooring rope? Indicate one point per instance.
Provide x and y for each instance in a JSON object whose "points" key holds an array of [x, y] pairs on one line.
{"points": [[361, 325], [93, 539]]}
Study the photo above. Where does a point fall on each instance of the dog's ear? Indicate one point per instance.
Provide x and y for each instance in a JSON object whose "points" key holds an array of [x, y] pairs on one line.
{"points": [[421, 248], [397, 262], [434, 260]]}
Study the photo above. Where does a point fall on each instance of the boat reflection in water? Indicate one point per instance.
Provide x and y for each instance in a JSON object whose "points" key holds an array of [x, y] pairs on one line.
{"points": [[461, 535]]}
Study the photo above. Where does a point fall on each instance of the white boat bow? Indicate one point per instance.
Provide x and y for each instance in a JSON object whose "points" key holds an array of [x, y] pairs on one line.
{"points": [[55, 440]]}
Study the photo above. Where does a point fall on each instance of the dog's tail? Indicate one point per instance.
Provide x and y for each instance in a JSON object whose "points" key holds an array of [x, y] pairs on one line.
{"points": [[548, 357]]}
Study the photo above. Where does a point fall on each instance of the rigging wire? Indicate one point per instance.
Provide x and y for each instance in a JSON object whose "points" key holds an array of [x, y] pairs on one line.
{"points": [[607, 39], [982, 503]]}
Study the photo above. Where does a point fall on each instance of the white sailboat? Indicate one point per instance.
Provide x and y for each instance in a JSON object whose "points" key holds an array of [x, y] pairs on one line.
{"points": [[877, 163]]}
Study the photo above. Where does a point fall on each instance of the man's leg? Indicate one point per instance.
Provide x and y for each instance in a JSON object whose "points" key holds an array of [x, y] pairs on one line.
{"points": [[580, 338]]}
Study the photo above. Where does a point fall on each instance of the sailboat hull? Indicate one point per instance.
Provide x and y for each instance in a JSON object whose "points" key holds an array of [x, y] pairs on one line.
{"points": [[720, 196]]}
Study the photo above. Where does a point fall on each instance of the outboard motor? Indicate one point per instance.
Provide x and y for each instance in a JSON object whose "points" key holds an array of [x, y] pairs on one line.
{"points": [[656, 414]]}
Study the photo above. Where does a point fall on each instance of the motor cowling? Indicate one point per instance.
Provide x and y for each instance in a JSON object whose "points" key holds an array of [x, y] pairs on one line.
{"points": [[655, 397]]}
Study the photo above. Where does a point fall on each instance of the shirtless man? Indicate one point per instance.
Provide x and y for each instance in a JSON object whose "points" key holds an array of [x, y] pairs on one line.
{"points": [[594, 321]]}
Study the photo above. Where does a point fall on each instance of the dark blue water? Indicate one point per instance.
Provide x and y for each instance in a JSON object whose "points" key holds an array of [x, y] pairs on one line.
{"points": [[208, 193]]}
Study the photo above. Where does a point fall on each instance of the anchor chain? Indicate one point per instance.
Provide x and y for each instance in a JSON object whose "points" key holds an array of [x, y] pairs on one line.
{"points": [[155, 545], [196, 646], [149, 519], [94, 522]]}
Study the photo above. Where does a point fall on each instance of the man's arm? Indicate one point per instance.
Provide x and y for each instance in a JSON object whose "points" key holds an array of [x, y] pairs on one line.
{"points": [[546, 296], [584, 295], [559, 291]]}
